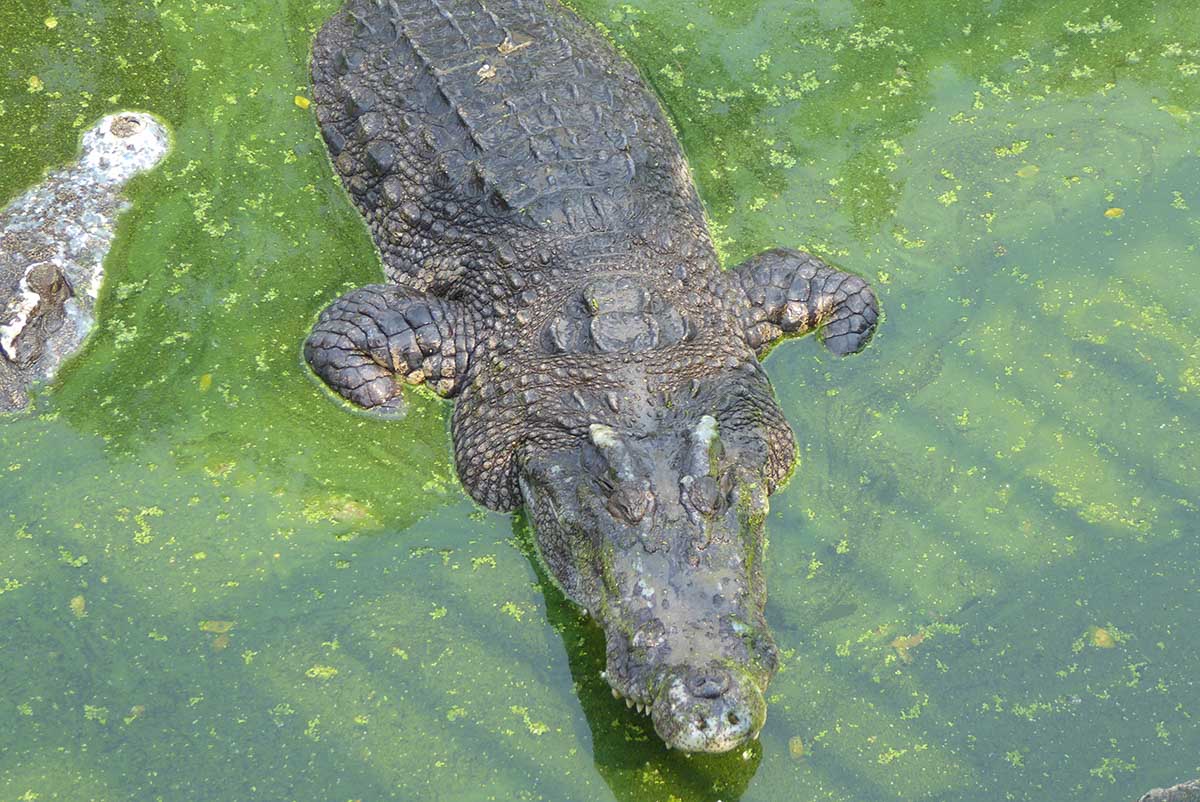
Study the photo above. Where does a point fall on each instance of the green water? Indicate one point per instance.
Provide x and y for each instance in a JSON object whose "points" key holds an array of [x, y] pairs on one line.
{"points": [[217, 585]]}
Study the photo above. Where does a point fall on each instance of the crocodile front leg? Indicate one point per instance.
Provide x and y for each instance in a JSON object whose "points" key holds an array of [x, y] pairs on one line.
{"points": [[792, 293], [370, 339]]}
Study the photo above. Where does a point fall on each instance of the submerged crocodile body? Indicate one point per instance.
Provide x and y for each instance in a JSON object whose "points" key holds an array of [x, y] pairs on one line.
{"points": [[53, 240], [550, 267]]}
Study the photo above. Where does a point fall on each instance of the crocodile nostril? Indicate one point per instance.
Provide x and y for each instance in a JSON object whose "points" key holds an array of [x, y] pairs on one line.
{"points": [[733, 718], [710, 684]]}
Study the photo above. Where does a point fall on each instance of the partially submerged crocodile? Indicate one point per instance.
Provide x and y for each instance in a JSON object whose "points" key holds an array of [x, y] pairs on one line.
{"points": [[53, 240], [1184, 792], [551, 268]]}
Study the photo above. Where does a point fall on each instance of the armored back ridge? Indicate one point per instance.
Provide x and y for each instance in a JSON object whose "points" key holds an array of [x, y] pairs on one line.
{"points": [[491, 143], [549, 266]]}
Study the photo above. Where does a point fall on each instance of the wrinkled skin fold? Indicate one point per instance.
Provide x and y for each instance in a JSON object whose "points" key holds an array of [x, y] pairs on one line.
{"points": [[550, 268]]}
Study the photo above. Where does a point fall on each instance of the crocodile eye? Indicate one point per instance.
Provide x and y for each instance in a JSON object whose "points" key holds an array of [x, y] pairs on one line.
{"points": [[630, 504], [711, 496], [706, 495]]}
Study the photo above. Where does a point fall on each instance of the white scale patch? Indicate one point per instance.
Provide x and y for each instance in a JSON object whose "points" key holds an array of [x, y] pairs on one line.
{"points": [[17, 313], [603, 436], [122, 145], [706, 432]]}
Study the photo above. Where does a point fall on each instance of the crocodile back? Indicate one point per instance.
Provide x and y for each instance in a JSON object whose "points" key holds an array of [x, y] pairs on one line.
{"points": [[491, 144]]}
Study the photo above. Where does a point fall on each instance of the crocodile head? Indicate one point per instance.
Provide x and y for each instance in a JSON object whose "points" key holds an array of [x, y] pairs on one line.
{"points": [[660, 537]]}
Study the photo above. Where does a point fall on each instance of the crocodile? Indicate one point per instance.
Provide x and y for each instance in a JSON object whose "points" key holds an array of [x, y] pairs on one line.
{"points": [[1184, 792], [53, 240], [549, 266]]}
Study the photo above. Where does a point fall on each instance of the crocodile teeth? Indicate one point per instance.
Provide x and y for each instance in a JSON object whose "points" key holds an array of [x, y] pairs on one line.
{"points": [[629, 703], [616, 693], [641, 707]]}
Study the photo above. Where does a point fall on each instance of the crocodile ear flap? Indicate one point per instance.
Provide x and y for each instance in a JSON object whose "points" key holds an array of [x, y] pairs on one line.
{"points": [[706, 449]]}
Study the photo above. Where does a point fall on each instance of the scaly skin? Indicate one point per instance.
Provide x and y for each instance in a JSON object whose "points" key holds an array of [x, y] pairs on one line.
{"points": [[53, 241], [552, 270], [1184, 792]]}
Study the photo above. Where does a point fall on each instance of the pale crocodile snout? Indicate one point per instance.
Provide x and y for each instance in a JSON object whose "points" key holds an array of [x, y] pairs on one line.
{"points": [[709, 710]]}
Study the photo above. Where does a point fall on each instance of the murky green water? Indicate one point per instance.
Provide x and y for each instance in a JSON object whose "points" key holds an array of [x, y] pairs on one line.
{"points": [[217, 585]]}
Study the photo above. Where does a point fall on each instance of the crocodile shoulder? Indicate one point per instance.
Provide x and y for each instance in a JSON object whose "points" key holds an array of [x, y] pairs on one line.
{"points": [[502, 136]]}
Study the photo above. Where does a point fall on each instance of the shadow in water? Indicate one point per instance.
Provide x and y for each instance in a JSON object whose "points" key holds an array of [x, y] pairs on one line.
{"points": [[628, 754]]}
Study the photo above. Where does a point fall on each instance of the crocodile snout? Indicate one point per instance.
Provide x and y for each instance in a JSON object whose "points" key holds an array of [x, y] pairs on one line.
{"points": [[709, 710]]}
